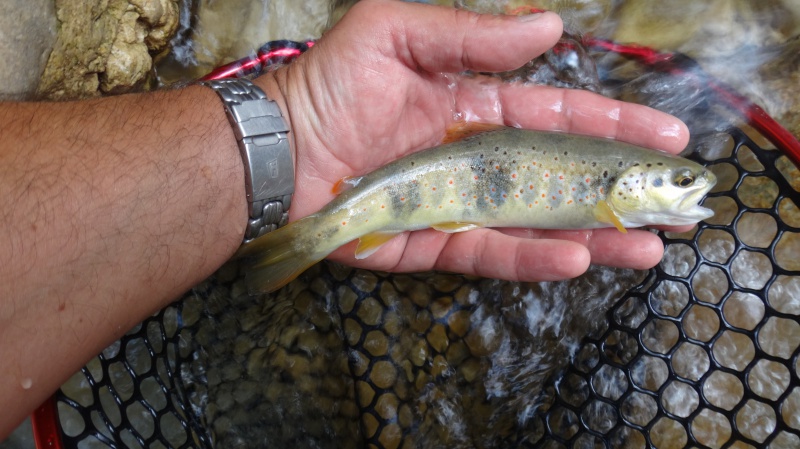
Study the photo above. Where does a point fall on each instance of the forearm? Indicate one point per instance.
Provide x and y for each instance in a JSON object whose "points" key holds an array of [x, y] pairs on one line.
{"points": [[111, 208]]}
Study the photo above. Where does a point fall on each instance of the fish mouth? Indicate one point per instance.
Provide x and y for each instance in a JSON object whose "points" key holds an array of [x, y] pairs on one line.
{"points": [[690, 206]]}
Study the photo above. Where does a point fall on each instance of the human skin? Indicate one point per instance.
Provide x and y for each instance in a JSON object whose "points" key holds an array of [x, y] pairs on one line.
{"points": [[113, 207]]}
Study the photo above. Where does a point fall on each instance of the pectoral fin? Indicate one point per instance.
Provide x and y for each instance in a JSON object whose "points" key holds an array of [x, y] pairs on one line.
{"points": [[455, 226], [368, 244], [604, 214]]}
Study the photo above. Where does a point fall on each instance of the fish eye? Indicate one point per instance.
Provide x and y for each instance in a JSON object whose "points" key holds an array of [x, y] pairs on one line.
{"points": [[684, 181]]}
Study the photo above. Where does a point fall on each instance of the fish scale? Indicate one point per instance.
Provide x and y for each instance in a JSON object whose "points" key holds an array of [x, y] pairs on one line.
{"points": [[504, 178]]}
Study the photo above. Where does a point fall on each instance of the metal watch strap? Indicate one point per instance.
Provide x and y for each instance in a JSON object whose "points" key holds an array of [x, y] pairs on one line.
{"points": [[263, 140]]}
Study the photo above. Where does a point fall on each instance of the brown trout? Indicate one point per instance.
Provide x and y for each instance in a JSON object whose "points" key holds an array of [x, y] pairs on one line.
{"points": [[505, 178]]}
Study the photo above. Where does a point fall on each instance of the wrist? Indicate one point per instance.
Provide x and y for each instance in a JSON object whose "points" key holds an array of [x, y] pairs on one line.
{"points": [[262, 138]]}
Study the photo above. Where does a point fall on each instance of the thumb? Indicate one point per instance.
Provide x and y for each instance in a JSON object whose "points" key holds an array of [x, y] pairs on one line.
{"points": [[440, 39]]}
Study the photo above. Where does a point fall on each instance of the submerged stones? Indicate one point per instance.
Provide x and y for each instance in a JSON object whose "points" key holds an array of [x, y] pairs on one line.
{"points": [[424, 360]]}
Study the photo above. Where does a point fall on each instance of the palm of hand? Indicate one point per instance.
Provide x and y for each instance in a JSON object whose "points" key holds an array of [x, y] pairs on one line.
{"points": [[373, 90]]}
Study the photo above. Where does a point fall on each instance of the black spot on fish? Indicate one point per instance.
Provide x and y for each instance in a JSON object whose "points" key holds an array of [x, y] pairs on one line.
{"points": [[450, 157], [635, 165], [658, 182], [620, 164], [565, 153], [481, 156], [505, 153], [496, 149], [412, 163], [649, 165], [659, 163], [583, 162], [605, 174], [594, 164], [555, 158]]}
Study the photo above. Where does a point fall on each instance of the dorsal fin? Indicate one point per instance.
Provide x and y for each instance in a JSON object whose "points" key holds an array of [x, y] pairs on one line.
{"points": [[462, 129]]}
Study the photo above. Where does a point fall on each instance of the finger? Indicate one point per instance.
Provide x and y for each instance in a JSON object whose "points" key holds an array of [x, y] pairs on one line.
{"points": [[583, 112], [438, 39], [638, 249], [568, 110], [492, 254]]}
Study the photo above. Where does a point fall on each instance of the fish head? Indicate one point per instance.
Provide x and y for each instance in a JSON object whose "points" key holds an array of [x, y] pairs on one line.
{"points": [[664, 191]]}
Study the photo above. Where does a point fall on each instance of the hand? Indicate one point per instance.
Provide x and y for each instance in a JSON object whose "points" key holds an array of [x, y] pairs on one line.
{"points": [[384, 83]]}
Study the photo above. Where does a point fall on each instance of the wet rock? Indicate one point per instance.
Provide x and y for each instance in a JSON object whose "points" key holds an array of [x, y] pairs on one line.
{"points": [[29, 33], [105, 46]]}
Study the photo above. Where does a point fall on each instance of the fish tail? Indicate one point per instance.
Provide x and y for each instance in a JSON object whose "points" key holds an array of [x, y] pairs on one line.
{"points": [[278, 257]]}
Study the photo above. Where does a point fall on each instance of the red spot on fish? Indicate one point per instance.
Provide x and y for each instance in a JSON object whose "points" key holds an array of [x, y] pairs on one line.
{"points": [[601, 190], [547, 175], [344, 223], [450, 182], [433, 188], [516, 195], [573, 189], [493, 189], [530, 187], [514, 175], [561, 177], [402, 198], [588, 180], [474, 197], [554, 197], [383, 206], [497, 167], [543, 195], [534, 163], [505, 196], [530, 205], [463, 194], [419, 205], [491, 201], [569, 202], [451, 201], [560, 192]]}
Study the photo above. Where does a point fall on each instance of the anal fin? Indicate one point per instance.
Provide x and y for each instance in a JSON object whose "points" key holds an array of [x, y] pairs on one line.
{"points": [[605, 214], [455, 226], [368, 244]]}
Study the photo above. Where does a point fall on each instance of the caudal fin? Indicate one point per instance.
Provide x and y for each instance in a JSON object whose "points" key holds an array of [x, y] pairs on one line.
{"points": [[276, 258]]}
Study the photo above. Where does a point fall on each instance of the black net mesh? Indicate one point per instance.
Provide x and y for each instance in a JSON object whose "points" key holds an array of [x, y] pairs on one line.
{"points": [[701, 351]]}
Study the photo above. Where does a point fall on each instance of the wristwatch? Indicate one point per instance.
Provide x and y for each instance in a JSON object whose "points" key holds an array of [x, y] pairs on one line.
{"points": [[263, 139]]}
